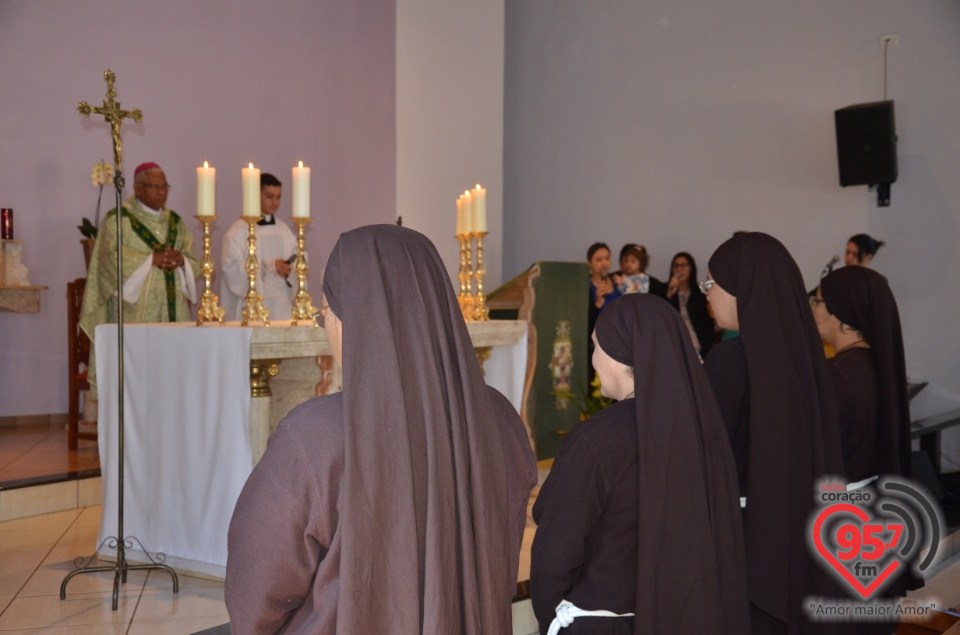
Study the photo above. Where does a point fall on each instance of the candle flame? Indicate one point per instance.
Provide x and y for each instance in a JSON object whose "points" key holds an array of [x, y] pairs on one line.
{"points": [[478, 186], [466, 193], [301, 164], [251, 166], [205, 165]]}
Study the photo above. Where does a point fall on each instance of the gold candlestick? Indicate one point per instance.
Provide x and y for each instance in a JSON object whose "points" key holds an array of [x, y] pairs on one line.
{"points": [[210, 309], [303, 308], [464, 273], [480, 311], [253, 308]]}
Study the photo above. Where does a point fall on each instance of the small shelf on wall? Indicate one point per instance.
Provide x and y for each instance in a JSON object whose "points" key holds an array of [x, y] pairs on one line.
{"points": [[16, 292], [20, 299]]}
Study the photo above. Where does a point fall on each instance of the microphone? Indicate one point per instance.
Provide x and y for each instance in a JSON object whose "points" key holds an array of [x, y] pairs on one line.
{"points": [[826, 270], [604, 275]]}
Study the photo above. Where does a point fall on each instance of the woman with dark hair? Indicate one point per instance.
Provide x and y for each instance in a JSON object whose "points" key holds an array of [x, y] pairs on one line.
{"points": [[692, 305], [638, 525], [856, 313], [776, 397], [603, 291], [398, 505], [861, 249]]}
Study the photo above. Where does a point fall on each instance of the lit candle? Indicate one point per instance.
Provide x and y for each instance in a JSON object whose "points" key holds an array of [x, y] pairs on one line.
{"points": [[301, 192], [251, 191], [467, 212], [479, 209], [206, 190]]}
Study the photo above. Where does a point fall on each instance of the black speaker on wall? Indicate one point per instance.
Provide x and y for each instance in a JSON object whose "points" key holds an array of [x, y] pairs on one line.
{"points": [[866, 144]]}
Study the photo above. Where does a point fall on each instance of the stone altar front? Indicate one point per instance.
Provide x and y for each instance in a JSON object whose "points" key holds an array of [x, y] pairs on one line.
{"points": [[290, 364]]}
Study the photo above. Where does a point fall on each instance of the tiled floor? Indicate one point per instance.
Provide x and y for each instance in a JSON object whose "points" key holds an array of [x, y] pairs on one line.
{"points": [[36, 554], [32, 451]]}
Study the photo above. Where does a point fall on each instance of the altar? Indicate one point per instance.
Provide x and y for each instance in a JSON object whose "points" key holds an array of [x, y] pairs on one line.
{"points": [[199, 406]]}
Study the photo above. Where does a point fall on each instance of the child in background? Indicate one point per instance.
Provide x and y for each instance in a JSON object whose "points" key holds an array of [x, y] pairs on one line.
{"points": [[632, 279]]}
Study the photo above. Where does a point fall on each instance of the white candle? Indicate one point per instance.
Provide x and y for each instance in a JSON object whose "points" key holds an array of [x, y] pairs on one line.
{"points": [[479, 209], [206, 190], [460, 216], [301, 192], [251, 191], [467, 212]]}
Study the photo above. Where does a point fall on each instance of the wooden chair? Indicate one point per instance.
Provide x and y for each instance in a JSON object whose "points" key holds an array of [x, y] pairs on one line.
{"points": [[78, 355]]}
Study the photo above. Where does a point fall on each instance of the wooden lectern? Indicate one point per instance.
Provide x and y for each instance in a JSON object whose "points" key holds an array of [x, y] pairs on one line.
{"points": [[553, 299]]}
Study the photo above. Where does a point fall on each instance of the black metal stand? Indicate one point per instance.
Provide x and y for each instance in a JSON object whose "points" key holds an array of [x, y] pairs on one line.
{"points": [[121, 542]]}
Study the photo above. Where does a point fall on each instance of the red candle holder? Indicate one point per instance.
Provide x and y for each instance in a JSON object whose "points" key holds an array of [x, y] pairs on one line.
{"points": [[6, 224]]}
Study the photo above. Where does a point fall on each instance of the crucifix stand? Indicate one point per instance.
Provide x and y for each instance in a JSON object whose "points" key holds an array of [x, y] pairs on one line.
{"points": [[113, 115]]}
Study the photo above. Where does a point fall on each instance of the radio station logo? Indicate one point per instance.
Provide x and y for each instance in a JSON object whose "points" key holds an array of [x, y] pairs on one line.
{"points": [[871, 535]]}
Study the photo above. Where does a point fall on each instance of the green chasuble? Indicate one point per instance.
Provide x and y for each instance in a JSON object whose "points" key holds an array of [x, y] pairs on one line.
{"points": [[161, 298]]}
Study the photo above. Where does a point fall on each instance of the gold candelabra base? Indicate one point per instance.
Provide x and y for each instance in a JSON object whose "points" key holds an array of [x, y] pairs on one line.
{"points": [[471, 298], [253, 308], [303, 308], [210, 309], [480, 311]]}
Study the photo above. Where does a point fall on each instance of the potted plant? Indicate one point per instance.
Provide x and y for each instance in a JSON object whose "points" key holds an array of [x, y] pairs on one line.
{"points": [[102, 175]]}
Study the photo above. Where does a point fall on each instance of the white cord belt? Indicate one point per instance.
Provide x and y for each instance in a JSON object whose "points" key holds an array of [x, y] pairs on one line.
{"points": [[567, 612], [850, 488], [855, 486]]}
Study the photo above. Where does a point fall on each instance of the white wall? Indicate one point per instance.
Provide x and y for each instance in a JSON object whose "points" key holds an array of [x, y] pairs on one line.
{"points": [[226, 81], [674, 124], [450, 119]]}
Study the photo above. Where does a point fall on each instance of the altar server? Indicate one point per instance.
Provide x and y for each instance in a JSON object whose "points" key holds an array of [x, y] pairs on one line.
{"points": [[276, 250]]}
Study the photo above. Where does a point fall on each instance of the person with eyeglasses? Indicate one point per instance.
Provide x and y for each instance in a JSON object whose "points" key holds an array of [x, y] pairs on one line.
{"points": [[776, 397], [690, 303], [276, 250], [159, 266]]}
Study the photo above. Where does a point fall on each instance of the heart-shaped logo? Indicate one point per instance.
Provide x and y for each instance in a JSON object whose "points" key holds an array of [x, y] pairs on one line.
{"points": [[851, 538]]}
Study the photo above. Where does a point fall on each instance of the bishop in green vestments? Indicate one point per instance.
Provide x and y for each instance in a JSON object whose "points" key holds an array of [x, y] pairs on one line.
{"points": [[159, 266]]}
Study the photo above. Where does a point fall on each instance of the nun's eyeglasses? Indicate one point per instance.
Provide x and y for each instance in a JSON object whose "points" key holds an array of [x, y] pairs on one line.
{"points": [[318, 315], [706, 285]]}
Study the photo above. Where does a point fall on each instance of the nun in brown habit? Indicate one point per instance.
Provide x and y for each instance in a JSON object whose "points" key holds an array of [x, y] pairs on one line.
{"points": [[776, 398], [856, 313], [398, 505], [640, 516]]}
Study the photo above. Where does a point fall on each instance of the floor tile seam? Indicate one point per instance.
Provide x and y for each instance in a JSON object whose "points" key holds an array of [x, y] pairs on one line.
{"points": [[50, 551], [133, 614], [33, 572]]}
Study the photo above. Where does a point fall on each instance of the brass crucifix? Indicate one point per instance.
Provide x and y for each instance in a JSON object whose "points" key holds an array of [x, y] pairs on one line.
{"points": [[113, 115]]}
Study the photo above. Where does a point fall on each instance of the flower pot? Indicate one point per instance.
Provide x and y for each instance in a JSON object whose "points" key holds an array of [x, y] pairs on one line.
{"points": [[87, 244]]}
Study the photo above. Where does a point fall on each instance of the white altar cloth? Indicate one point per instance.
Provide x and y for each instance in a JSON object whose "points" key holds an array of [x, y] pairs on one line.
{"points": [[186, 441], [187, 426]]}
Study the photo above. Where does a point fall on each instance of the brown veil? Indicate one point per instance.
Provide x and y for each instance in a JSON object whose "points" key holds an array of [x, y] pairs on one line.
{"points": [[794, 435], [861, 298], [690, 573], [424, 519]]}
